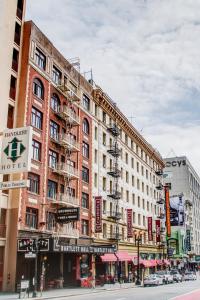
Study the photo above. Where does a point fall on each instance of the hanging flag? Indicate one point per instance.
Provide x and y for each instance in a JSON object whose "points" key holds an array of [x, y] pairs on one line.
{"points": [[150, 233], [129, 223], [157, 231], [167, 209], [98, 214]]}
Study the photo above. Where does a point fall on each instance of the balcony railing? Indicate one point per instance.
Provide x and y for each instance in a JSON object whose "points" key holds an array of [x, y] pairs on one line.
{"points": [[113, 129], [114, 236], [2, 230], [159, 172], [160, 201], [114, 215], [114, 172], [73, 97], [68, 114], [69, 142], [68, 231], [68, 199], [66, 170], [114, 150], [114, 194]]}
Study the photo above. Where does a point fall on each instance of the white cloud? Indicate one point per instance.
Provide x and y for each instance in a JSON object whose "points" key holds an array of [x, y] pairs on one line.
{"points": [[144, 54]]}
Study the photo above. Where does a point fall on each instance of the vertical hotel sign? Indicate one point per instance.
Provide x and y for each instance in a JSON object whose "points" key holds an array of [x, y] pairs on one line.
{"points": [[16, 150], [150, 234], [98, 214], [157, 231], [129, 223], [167, 207]]}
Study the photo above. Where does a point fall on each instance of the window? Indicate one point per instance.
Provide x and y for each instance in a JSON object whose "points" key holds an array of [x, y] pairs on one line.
{"points": [[50, 220], [96, 110], [86, 126], [95, 180], [133, 199], [133, 217], [85, 174], [139, 219], [143, 187], [142, 170], [133, 180], [13, 83], [127, 196], [104, 206], [56, 75], [36, 118], [131, 145], [53, 159], [147, 174], [40, 59], [52, 189], [85, 227], [126, 158], [126, 139], [86, 102], [85, 200], [104, 230], [95, 156], [132, 162], [104, 183], [143, 204], [138, 184], [95, 133], [55, 102], [147, 205], [104, 117], [127, 177], [104, 161], [138, 167], [85, 150], [38, 88], [15, 60], [31, 217], [54, 130], [34, 183], [36, 150], [104, 139], [17, 33], [138, 201]]}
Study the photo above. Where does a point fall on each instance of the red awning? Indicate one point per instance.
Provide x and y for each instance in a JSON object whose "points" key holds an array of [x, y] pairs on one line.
{"points": [[109, 257], [166, 262], [159, 262]]}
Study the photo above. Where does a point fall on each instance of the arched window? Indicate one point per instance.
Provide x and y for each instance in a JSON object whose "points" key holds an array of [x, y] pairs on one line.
{"points": [[55, 102], [38, 88], [86, 126]]}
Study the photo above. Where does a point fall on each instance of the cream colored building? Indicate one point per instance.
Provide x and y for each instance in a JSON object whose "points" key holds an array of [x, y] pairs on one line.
{"points": [[11, 28]]}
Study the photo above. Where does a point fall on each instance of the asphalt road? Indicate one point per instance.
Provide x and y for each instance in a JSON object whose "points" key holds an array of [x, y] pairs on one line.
{"points": [[165, 292]]}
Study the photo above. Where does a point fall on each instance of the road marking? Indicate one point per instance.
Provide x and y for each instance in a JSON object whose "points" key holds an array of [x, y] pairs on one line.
{"points": [[121, 299], [184, 296]]}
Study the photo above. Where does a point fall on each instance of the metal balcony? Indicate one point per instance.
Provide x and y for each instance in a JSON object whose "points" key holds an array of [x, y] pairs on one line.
{"points": [[69, 142], [68, 114], [66, 170], [113, 129], [159, 172], [66, 230], [66, 199], [114, 215], [114, 195], [116, 236], [161, 216], [162, 229], [159, 186], [114, 151], [160, 201], [114, 172], [73, 97]]}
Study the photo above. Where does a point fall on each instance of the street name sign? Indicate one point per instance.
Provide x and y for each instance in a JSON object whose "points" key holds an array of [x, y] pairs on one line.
{"points": [[14, 184]]}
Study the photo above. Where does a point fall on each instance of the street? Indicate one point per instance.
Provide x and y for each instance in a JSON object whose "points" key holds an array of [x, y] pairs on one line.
{"points": [[166, 292]]}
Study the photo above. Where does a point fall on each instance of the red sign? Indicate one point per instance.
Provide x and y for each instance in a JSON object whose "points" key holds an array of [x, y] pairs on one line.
{"points": [[157, 231], [98, 214], [150, 234], [167, 206], [129, 223]]}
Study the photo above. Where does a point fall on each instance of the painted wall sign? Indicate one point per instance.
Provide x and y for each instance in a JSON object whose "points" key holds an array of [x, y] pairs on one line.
{"points": [[16, 150], [68, 214], [175, 163], [129, 223], [98, 214]]}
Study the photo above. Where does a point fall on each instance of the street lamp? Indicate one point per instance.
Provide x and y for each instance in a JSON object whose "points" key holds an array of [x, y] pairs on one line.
{"points": [[138, 240]]}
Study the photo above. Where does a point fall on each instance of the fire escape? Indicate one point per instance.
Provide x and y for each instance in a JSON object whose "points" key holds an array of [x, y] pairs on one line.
{"points": [[115, 173]]}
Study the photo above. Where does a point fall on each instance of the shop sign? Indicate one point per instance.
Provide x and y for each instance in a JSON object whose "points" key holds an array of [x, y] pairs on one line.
{"points": [[170, 251], [188, 240], [129, 223], [177, 210], [16, 150], [167, 207], [157, 231], [68, 214], [14, 184], [30, 255], [175, 163], [83, 249], [197, 258], [150, 234], [98, 214], [33, 244], [24, 284]]}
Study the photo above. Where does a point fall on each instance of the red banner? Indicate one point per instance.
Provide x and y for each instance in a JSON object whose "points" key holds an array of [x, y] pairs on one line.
{"points": [[157, 231], [150, 234], [98, 214], [129, 223], [167, 208]]}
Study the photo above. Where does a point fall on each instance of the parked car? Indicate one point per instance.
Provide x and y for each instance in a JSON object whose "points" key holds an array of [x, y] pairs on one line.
{"points": [[190, 276], [167, 277], [176, 275], [153, 279]]}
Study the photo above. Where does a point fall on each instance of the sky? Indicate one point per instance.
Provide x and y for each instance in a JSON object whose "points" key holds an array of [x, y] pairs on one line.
{"points": [[145, 56]]}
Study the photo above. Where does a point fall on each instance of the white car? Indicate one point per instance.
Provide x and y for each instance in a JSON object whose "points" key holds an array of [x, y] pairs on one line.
{"points": [[176, 275], [166, 276], [190, 276], [153, 279]]}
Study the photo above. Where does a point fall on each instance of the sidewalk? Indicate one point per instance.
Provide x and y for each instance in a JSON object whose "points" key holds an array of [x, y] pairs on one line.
{"points": [[69, 292]]}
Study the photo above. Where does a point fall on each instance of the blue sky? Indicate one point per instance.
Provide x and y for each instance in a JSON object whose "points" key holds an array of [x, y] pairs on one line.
{"points": [[144, 54]]}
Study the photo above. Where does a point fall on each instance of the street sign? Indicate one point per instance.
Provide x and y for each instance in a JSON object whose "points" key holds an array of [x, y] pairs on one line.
{"points": [[33, 244], [14, 184], [170, 251], [30, 255], [24, 284], [68, 214]]}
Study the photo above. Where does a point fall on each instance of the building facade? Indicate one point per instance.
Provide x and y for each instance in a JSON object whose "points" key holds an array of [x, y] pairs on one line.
{"points": [[185, 181], [11, 35]]}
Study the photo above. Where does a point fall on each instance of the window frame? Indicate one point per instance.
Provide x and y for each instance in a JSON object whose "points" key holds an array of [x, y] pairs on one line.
{"points": [[36, 118], [36, 150], [38, 88], [40, 59]]}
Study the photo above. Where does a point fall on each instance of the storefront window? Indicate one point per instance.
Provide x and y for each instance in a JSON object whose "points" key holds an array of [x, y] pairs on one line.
{"points": [[84, 266]]}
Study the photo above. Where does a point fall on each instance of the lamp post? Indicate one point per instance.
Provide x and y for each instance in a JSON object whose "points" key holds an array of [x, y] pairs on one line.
{"points": [[34, 295], [138, 240]]}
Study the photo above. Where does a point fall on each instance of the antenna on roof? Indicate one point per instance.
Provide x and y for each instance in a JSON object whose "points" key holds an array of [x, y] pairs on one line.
{"points": [[89, 76], [171, 152]]}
